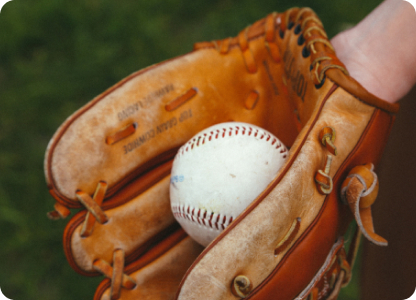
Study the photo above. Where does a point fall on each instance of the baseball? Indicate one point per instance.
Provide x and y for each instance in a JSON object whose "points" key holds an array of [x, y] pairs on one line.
{"points": [[218, 173]]}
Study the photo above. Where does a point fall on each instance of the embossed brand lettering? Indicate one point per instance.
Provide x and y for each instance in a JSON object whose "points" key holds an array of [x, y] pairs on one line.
{"points": [[144, 102], [159, 129], [148, 100], [167, 125], [128, 111], [299, 85], [139, 141]]}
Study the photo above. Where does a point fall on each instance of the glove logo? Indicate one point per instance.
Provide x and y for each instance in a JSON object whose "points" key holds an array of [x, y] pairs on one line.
{"points": [[413, 297], [412, 2], [2, 297], [2, 2]]}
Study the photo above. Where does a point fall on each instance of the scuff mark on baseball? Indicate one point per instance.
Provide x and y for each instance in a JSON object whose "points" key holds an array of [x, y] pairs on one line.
{"points": [[218, 173]]}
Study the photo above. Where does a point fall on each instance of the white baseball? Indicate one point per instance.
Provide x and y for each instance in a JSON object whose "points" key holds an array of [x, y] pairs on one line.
{"points": [[218, 173]]}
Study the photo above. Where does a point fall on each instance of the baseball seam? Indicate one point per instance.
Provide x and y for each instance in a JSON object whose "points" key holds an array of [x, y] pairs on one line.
{"points": [[218, 133], [202, 216]]}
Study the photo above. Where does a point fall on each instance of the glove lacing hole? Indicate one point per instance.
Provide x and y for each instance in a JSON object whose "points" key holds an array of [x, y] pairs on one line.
{"points": [[290, 25], [281, 33], [301, 40], [298, 29], [318, 86], [305, 52], [241, 286]]}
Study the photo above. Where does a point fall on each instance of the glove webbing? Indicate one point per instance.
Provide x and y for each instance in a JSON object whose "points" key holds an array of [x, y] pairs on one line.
{"points": [[312, 33]]}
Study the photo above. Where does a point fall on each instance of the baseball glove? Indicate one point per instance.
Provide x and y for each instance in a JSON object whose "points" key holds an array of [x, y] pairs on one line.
{"points": [[112, 158]]}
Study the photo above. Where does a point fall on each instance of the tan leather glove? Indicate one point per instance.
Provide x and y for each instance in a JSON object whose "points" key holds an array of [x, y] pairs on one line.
{"points": [[112, 160]]}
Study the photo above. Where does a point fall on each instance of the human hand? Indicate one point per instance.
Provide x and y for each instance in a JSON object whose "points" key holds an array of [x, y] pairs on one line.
{"points": [[379, 52]]}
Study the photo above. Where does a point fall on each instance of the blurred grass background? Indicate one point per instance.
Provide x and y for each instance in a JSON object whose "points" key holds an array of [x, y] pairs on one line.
{"points": [[55, 55]]}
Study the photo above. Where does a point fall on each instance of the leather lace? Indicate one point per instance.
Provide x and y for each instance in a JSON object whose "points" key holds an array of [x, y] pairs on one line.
{"points": [[93, 205], [116, 273], [316, 41]]}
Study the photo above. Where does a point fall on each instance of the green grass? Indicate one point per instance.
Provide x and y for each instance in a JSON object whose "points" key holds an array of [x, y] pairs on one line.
{"points": [[55, 55]]}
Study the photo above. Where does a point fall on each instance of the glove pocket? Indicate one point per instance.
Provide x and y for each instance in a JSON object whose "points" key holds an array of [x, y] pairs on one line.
{"points": [[281, 241], [141, 121]]}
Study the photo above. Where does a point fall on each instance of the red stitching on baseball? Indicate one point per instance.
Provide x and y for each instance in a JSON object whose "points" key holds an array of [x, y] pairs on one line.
{"points": [[207, 137], [200, 216]]}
